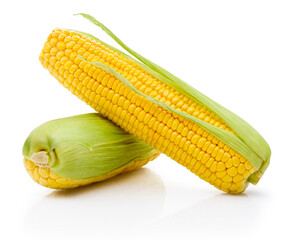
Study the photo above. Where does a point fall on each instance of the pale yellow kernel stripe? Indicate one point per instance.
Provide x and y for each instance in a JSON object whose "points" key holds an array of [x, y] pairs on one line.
{"points": [[47, 178]]}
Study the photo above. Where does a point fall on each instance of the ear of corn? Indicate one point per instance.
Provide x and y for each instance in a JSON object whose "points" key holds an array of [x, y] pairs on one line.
{"points": [[159, 108], [79, 150]]}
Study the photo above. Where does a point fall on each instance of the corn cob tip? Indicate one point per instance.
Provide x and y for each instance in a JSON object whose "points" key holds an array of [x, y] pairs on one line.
{"points": [[41, 158]]}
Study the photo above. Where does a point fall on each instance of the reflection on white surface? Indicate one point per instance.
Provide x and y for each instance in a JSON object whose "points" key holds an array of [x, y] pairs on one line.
{"points": [[224, 216], [117, 205]]}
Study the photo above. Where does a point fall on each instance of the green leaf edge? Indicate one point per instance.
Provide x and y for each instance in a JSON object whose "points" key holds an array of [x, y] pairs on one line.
{"points": [[248, 142]]}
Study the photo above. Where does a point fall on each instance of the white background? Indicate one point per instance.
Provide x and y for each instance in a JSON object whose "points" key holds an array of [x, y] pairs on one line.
{"points": [[233, 51]]}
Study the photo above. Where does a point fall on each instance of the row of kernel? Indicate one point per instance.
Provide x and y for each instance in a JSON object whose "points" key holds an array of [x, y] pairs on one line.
{"points": [[89, 44], [94, 41]]}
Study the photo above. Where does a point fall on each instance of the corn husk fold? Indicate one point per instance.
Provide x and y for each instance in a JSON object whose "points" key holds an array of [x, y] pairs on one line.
{"points": [[84, 146], [247, 141]]}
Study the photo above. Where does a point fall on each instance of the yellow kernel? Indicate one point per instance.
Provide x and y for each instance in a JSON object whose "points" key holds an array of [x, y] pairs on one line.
{"points": [[121, 101], [44, 172], [220, 154], [215, 141], [201, 170], [137, 111], [229, 163], [52, 183], [179, 152], [226, 157], [210, 137], [221, 167], [53, 41], [225, 186], [195, 139], [205, 158], [201, 142], [61, 37], [175, 124], [53, 51], [160, 116], [197, 166], [75, 38], [191, 149], [241, 169], [211, 148], [30, 165], [183, 156], [233, 188], [67, 65], [215, 152], [213, 167], [238, 178], [151, 122], [70, 44], [247, 165], [47, 47], [190, 134], [227, 178], [213, 177], [59, 55], [221, 144], [43, 181], [46, 57], [207, 173], [180, 127], [184, 132], [55, 33], [61, 45], [209, 162], [218, 182], [177, 139], [226, 148], [186, 145], [36, 174], [188, 159], [206, 145], [236, 161], [232, 171], [221, 174], [242, 159], [232, 152], [72, 68], [200, 155], [160, 127], [200, 131], [141, 116], [53, 175], [182, 141]]}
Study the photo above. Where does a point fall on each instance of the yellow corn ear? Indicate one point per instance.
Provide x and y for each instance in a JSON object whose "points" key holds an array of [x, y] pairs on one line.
{"points": [[177, 137]]}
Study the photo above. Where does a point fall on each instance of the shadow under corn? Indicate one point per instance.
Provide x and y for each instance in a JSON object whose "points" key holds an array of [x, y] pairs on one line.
{"points": [[223, 216], [102, 209]]}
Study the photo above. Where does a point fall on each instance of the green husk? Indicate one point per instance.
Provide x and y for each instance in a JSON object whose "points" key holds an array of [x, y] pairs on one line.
{"points": [[247, 141], [84, 146]]}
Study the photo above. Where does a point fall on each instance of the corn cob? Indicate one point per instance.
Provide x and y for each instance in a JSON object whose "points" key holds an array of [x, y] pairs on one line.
{"points": [[80, 150], [157, 107]]}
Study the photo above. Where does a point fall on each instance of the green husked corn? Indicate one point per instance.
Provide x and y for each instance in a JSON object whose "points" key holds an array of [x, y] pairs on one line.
{"points": [[79, 150]]}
